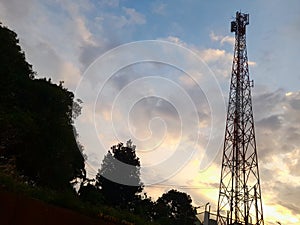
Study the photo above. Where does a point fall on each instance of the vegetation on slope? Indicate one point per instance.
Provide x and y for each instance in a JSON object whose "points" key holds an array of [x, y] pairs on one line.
{"points": [[40, 156]]}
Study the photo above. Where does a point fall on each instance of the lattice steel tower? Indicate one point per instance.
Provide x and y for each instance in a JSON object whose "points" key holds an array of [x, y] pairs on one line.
{"points": [[240, 194]]}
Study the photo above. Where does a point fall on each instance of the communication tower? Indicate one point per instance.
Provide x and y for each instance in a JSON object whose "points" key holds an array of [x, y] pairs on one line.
{"points": [[239, 192]]}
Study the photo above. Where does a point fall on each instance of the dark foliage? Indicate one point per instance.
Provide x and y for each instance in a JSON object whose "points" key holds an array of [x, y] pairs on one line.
{"points": [[88, 192], [145, 207], [122, 166], [36, 121], [175, 207]]}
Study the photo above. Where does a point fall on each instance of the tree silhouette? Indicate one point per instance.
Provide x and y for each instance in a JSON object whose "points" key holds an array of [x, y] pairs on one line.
{"points": [[119, 168], [144, 207], [88, 192], [175, 207], [36, 121]]}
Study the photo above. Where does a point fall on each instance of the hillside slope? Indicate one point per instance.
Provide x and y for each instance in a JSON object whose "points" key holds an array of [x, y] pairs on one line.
{"points": [[17, 209]]}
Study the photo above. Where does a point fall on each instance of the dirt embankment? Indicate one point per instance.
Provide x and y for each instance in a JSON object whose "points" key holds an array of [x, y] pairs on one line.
{"points": [[16, 209]]}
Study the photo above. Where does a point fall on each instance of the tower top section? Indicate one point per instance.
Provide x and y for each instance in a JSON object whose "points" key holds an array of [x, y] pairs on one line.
{"points": [[239, 25]]}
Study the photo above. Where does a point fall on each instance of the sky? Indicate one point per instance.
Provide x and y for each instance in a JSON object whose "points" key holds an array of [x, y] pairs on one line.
{"points": [[158, 72]]}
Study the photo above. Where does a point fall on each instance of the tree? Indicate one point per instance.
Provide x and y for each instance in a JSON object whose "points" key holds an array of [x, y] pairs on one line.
{"points": [[15, 73], [36, 121], [88, 192], [119, 176], [144, 207], [175, 207]]}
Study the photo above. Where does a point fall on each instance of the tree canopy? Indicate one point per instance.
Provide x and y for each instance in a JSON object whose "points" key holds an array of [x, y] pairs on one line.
{"points": [[119, 176], [175, 207], [36, 121]]}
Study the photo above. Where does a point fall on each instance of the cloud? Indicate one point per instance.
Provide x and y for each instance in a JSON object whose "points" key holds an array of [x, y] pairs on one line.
{"points": [[267, 101], [145, 103], [153, 118], [109, 3], [277, 128], [128, 18], [38, 53], [212, 54], [187, 81], [218, 60], [222, 39], [70, 74], [277, 135], [271, 123], [285, 196], [252, 63], [292, 161], [88, 53], [175, 40], [14, 11], [52, 41], [159, 8], [68, 37], [84, 33], [134, 17], [146, 108]]}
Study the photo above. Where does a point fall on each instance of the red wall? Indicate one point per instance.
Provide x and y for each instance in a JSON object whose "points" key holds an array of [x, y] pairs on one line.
{"points": [[16, 209]]}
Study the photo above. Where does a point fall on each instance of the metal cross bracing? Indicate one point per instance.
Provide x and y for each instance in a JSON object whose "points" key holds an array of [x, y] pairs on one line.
{"points": [[239, 192]]}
